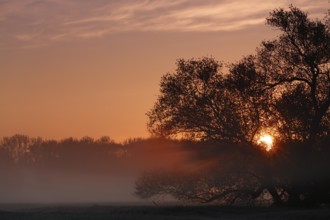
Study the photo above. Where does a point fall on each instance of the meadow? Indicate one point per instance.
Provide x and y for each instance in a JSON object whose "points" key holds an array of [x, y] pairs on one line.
{"points": [[98, 212]]}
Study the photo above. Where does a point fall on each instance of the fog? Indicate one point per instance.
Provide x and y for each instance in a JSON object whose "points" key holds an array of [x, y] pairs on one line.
{"points": [[81, 171], [101, 171]]}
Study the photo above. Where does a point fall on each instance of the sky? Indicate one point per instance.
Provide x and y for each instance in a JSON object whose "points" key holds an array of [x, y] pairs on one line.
{"points": [[92, 68]]}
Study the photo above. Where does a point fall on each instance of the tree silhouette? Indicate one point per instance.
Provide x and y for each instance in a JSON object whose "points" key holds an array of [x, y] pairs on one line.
{"points": [[297, 68], [199, 102], [284, 87]]}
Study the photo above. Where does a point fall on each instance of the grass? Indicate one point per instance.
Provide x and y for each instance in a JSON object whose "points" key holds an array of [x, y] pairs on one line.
{"points": [[165, 212]]}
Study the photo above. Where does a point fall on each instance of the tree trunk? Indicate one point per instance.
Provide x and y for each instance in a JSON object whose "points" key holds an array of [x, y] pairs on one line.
{"points": [[276, 198]]}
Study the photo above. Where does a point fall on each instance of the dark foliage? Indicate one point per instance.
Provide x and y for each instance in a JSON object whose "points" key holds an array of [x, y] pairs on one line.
{"points": [[283, 89]]}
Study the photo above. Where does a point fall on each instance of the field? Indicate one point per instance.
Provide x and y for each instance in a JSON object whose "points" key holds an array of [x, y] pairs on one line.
{"points": [[70, 212]]}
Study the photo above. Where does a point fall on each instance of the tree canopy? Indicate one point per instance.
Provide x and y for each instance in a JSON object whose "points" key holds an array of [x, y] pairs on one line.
{"points": [[283, 89]]}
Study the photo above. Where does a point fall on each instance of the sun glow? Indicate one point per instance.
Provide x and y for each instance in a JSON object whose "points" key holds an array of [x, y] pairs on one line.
{"points": [[266, 141]]}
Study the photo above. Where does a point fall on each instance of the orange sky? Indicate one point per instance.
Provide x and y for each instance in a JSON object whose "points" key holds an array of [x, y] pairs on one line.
{"points": [[76, 68]]}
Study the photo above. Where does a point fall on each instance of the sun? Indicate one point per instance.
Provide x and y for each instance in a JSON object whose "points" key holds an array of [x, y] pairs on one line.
{"points": [[266, 141]]}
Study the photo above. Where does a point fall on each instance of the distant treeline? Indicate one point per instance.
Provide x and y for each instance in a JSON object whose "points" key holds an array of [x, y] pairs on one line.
{"points": [[86, 152], [23, 150]]}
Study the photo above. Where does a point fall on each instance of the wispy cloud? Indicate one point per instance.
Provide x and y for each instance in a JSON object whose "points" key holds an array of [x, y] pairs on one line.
{"points": [[179, 16], [41, 22]]}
